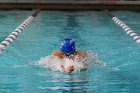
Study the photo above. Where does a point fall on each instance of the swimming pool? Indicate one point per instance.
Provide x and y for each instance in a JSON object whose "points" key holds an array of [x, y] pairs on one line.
{"points": [[92, 30]]}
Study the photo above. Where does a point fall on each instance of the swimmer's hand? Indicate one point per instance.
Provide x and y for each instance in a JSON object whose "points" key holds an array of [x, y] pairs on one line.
{"points": [[67, 69]]}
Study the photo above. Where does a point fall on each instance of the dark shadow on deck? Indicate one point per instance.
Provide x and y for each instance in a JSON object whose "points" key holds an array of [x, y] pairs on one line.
{"points": [[125, 5]]}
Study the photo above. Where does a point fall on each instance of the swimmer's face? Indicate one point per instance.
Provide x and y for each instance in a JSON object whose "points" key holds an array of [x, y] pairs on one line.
{"points": [[69, 54]]}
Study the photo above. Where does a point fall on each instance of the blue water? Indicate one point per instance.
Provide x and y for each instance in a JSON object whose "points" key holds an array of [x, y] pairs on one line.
{"points": [[91, 30]]}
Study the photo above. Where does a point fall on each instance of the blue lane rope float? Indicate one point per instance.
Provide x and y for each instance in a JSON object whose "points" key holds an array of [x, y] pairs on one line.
{"points": [[17, 31], [127, 29]]}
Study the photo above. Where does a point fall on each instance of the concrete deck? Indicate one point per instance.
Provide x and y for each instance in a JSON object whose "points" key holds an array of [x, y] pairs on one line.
{"points": [[76, 5]]}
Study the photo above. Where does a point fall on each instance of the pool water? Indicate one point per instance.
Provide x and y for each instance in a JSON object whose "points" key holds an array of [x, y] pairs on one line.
{"points": [[91, 30]]}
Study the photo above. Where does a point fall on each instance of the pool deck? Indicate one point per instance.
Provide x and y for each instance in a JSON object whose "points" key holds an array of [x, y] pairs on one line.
{"points": [[76, 5]]}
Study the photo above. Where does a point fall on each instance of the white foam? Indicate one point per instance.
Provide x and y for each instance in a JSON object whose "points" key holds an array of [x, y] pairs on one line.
{"points": [[54, 63]]}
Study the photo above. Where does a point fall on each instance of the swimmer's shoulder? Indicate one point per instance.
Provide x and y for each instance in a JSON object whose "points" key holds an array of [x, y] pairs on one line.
{"points": [[81, 53], [57, 53]]}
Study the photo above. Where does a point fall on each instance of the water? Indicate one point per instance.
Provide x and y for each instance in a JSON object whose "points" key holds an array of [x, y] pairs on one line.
{"points": [[91, 30]]}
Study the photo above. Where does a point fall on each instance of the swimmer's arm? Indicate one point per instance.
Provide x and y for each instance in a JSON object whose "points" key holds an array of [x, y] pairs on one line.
{"points": [[96, 61], [53, 55], [81, 54], [56, 54]]}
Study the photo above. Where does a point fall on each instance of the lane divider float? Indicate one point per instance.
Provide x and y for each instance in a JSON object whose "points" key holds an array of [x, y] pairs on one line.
{"points": [[17, 31], [126, 28]]}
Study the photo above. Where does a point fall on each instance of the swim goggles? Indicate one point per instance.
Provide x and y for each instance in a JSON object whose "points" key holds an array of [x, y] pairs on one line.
{"points": [[69, 54]]}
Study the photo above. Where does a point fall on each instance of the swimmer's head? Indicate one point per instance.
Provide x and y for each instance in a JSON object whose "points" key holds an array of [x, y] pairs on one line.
{"points": [[67, 46]]}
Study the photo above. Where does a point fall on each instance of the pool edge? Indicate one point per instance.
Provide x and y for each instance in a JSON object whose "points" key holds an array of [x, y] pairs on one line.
{"points": [[71, 6]]}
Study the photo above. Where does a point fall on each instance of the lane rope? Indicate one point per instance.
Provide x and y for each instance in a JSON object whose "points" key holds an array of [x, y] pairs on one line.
{"points": [[17, 31], [125, 27]]}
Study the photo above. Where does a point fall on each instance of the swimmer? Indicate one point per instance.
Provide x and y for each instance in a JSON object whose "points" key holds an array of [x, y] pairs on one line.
{"points": [[68, 50]]}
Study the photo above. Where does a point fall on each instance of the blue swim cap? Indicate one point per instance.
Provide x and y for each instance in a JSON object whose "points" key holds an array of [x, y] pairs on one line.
{"points": [[67, 46]]}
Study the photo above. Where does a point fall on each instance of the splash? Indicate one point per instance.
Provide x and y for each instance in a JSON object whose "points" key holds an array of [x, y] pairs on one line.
{"points": [[80, 64]]}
